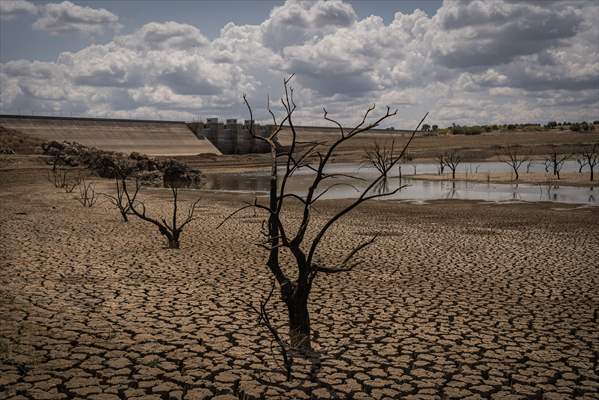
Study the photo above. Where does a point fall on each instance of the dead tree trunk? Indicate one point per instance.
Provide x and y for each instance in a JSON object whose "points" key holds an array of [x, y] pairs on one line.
{"points": [[299, 317], [556, 162], [441, 161], [591, 156], [515, 159]]}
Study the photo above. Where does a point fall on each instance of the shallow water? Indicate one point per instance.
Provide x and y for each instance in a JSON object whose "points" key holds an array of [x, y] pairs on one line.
{"points": [[420, 190]]}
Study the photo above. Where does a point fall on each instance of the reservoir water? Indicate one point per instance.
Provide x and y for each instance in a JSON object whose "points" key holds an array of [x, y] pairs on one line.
{"points": [[420, 190]]}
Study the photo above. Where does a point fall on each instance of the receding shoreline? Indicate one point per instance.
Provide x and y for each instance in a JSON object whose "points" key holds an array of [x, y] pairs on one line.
{"points": [[532, 178]]}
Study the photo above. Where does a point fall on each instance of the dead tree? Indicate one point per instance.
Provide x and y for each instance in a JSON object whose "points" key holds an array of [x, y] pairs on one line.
{"points": [[555, 161], [581, 164], [591, 157], [172, 231], [380, 157], [441, 161], [87, 194], [119, 200], [278, 232], [514, 158], [452, 160]]}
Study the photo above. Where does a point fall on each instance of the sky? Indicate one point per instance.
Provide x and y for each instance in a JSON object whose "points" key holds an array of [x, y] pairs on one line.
{"points": [[465, 62]]}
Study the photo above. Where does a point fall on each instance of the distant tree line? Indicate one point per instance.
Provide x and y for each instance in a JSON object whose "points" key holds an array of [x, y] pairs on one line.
{"points": [[429, 128], [573, 126], [456, 129]]}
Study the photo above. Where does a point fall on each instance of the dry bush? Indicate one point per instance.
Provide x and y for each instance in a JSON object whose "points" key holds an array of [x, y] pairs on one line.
{"points": [[172, 231], [87, 194]]}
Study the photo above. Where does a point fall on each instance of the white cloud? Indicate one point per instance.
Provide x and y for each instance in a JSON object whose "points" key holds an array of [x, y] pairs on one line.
{"points": [[162, 36], [9, 9], [299, 20], [488, 33], [472, 62], [68, 17]]}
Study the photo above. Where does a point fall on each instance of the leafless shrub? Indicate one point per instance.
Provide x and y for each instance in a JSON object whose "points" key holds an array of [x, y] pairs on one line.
{"points": [[172, 231], [57, 177], [69, 187], [61, 179], [87, 194]]}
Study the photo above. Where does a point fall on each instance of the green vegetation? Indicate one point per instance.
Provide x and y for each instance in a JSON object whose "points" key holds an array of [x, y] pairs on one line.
{"points": [[478, 129], [467, 130]]}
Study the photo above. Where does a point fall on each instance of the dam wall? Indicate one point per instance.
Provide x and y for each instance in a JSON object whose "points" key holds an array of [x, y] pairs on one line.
{"points": [[162, 138], [232, 137], [154, 138]]}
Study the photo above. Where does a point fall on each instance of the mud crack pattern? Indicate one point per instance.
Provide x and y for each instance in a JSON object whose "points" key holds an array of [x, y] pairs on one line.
{"points": [[456, 300]]}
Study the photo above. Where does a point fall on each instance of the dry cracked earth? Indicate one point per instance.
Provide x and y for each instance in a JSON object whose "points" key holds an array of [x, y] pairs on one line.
{"points": [[455, 300]]}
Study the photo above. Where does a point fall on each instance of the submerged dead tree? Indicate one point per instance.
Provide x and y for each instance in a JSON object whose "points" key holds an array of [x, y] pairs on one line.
{"points": [[280, 234], [172, 231], [555, 162], [591, 157], [514, 158], [441, 161], [380, 157], [452, 160]]}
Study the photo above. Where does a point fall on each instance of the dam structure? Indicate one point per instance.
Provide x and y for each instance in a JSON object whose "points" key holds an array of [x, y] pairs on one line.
{"points": [[232, 137], [154, 138], [161, 138]]}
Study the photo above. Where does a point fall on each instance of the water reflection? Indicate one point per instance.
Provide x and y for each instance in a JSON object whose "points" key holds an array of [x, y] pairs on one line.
{"points": [[382, 186], [237, 182], [416, 189]]}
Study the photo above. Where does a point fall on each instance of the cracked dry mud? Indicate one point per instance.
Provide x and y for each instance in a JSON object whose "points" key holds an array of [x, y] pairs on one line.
{"points": [[456, 300]]}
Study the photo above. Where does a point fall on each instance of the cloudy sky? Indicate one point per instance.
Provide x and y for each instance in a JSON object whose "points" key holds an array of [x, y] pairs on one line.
{"points": [[467, 62]]}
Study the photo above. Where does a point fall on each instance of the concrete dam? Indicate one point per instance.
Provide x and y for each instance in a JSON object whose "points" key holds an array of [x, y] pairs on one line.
{"points": [[232, 137], [155, 138], [160, 138]]}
